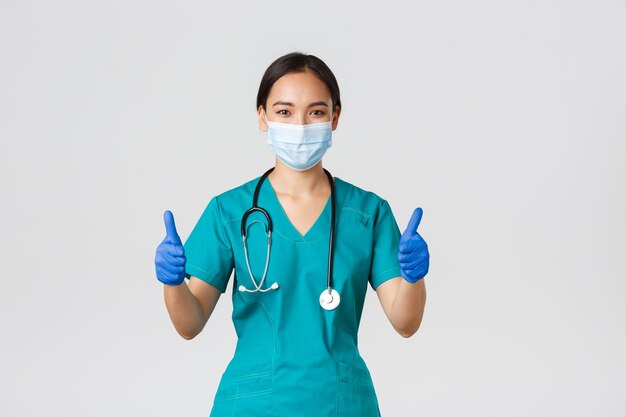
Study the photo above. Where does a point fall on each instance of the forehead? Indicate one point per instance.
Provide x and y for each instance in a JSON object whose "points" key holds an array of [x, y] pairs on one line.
{"points": [[295, 86]]}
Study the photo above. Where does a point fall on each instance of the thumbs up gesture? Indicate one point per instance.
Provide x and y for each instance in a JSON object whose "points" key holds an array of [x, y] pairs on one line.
{"points": [[170, 255], [413, 251]]}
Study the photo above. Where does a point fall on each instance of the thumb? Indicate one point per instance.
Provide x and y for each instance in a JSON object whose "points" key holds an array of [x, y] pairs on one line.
{"points": [[416, 218], [170, 228]]}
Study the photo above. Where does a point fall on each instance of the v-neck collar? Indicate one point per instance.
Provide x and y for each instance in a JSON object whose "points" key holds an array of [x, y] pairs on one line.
{"points": [[283, 225]]}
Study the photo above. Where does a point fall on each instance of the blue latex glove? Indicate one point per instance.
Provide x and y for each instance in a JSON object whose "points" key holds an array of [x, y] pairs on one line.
{"points": [[413, 251], [170, 255]]}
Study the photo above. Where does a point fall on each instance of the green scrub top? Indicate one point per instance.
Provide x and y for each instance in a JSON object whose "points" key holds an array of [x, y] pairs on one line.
{"points": [[292, 357]]}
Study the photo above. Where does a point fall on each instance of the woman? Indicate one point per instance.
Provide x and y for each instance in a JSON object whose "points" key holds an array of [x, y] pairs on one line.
{"points": [[299, 288]]}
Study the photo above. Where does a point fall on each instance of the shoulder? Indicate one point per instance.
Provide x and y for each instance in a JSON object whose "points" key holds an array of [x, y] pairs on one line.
{"points": [[235, 200], [242, 190], [361, 199]]}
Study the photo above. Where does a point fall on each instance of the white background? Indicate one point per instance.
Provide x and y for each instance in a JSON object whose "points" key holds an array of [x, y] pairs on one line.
{"points": [[504, 121]]}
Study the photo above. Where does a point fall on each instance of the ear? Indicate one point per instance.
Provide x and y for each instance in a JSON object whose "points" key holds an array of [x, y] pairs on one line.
{"points": [[261, 115], [336, 116]]}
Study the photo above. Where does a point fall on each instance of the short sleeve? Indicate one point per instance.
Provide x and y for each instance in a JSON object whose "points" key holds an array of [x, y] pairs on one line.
{"points": [[208, 250], [386, 241]]}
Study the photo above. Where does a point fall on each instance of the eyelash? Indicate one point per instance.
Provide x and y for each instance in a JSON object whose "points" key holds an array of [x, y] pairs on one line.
{"points": [[282, 114]]}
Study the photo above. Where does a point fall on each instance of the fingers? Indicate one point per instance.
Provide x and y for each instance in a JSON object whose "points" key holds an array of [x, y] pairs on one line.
{"points": [[171, 275], [174, 270], [171, 235], [167, 263], [411, 244], [412, 263], [170, 258], [173, 249]]}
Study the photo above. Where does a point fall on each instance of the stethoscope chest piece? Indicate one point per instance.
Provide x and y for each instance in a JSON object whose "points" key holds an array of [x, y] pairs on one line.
{"points": [[329, 301]]}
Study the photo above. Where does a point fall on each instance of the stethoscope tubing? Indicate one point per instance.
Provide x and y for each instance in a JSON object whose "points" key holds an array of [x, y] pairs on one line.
{"points": [[269, 228]]}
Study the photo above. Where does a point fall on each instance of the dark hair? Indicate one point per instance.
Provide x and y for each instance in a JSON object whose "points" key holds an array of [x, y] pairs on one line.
{"points": [[296, 62]]}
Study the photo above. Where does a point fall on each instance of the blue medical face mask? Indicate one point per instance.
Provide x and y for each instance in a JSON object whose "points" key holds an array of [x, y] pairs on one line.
{"points": [[299, 146]]}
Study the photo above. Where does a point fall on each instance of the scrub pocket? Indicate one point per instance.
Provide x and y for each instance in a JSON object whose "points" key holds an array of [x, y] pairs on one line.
{"points": [[248, 394], [356, 395]]}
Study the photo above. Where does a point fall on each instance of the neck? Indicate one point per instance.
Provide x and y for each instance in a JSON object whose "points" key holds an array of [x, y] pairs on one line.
{"points": [[298, 183]]}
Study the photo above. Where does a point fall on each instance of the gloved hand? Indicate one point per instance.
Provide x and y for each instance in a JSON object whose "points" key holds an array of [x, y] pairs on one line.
{"points": [[170, 255], [413, 251]]}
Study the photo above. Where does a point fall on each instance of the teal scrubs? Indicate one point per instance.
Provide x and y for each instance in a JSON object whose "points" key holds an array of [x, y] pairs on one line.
{"points": [[293, 358]]}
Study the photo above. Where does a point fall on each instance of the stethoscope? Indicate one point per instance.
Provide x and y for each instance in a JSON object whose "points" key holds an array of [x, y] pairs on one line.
{"points": [[329, 298]]}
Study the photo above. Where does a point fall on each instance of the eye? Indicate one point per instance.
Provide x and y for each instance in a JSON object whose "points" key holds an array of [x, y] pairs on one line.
{"points": [[321, 112], [282, 114]]}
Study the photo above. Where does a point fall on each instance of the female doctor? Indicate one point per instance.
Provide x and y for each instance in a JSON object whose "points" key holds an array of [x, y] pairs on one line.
{"points": [[299, 283]]}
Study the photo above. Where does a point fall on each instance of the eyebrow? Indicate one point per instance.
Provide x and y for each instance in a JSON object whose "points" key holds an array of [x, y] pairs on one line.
{"points": [[287, 103]]}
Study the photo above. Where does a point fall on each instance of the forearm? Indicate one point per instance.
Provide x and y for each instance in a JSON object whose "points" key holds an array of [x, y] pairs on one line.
{"points": [[184, 310], [408, 307]]}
